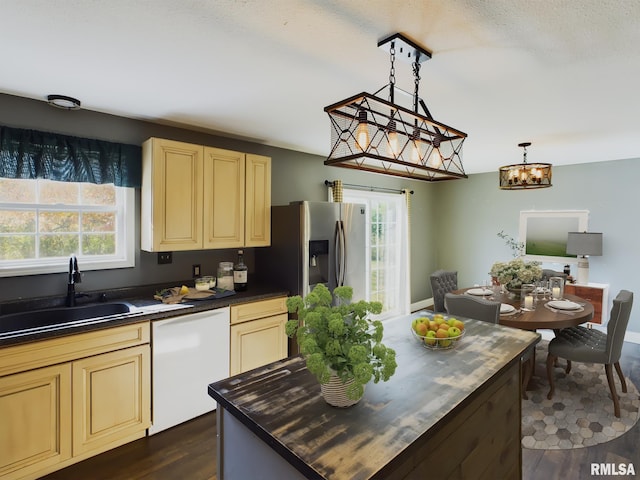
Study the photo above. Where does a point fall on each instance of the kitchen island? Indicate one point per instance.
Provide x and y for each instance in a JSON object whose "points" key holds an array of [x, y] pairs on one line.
{"points": [[444, 414]]}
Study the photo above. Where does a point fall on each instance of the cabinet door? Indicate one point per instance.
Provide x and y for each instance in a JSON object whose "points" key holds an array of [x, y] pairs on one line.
{"points": [[223, 198], [258, 201], [172, 193], [258, 343], [35, 419], [111, 399]]}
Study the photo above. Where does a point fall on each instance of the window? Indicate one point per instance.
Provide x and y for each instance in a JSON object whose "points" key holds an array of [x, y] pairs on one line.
{"points": [[43, 222], [387, 249]]}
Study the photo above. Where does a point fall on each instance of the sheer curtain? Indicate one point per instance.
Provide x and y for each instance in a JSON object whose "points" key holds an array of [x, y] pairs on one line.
{"points": [[387, 248]]}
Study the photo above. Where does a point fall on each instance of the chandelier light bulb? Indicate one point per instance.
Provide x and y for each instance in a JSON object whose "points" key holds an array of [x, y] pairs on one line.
{"points": [[362, 133], [416, 150], [435, 158], [392, 136]]}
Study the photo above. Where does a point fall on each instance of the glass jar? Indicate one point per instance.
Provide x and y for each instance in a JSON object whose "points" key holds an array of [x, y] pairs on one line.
{"points": [[556, 286], [526, 296], [225, 275], [202, 283]]}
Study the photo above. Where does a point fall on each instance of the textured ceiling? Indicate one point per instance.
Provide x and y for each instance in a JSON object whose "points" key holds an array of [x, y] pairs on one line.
{"points": [[559, 73]]}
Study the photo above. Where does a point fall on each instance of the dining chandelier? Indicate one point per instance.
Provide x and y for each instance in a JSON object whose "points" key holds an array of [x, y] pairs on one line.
{"points": [[374, 134], [520, 176]]}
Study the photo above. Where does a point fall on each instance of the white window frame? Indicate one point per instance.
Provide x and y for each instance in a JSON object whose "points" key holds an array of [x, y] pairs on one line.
{"points": [[125, 243]]}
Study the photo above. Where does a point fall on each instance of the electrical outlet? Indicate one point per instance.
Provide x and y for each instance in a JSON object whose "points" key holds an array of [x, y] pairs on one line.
{"points": [[196, 271], [165, 257]]}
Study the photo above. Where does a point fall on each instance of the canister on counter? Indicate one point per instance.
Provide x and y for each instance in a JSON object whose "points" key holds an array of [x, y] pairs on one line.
{"points": [[225, 275]]}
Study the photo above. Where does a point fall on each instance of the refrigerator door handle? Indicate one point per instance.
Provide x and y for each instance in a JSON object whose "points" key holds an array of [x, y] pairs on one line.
{"points": [[341, 255], [336, 250]]}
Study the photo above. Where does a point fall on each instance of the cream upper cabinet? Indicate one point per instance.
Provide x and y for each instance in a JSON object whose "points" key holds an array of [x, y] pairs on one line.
{"points": [[172, 193], [196, 197], [258, 201], [224, 172]]}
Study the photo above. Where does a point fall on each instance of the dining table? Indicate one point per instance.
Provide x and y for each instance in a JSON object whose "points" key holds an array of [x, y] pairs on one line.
{"points": [[541, 316]]}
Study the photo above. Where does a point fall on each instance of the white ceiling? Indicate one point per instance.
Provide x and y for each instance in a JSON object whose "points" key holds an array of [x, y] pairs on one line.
{"points": [[561, 74]]}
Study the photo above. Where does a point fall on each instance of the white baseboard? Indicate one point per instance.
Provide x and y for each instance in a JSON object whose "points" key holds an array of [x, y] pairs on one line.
{"points": [[633, 337], [422, 304]]}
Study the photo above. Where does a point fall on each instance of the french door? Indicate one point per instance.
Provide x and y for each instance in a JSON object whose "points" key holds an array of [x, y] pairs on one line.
{"points": [[387, 248]]}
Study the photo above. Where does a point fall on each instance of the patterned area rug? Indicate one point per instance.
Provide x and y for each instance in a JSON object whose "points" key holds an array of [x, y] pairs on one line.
{"points": [[581, 411]]}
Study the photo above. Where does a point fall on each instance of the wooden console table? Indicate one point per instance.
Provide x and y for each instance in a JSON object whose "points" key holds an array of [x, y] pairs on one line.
{"points": [[597, 294]]}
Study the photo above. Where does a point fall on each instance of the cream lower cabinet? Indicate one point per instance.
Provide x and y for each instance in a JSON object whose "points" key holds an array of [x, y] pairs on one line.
{"points": [[111, 398], [197, 197], [95, 397], [257, 334], [35, 421]]}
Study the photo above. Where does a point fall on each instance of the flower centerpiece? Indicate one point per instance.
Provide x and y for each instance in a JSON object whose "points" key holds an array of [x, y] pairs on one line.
{"points": [[514, 273], [340, 343]]}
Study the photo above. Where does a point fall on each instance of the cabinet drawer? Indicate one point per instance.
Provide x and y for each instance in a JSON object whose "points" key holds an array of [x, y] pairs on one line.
{"points": [[63, 349], [253, 310], [587, 292]]}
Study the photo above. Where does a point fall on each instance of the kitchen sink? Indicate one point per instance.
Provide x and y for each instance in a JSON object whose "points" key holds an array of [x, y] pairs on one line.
{"points": [[55, 318]]}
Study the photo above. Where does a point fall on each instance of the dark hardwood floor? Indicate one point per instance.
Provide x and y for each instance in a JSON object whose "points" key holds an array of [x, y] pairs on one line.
{"points": [[188, 451], [184, 452]]}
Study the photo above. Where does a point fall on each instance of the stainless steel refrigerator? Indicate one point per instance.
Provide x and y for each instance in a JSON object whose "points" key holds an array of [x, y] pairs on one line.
{"points": [[316, 242]]}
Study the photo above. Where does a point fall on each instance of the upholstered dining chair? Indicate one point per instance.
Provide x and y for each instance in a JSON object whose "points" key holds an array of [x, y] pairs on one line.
{"points": [[582, 344], [548, 273], [487, 311], [472, 307], [442, 282]]}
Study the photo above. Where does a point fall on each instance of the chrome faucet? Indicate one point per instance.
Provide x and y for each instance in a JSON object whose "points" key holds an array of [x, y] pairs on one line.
{"points": [[74, 277]]}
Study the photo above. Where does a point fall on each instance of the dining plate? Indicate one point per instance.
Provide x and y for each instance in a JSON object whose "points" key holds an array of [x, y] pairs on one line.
{"points": [[481, 292], [564, 305], [506, 308]]}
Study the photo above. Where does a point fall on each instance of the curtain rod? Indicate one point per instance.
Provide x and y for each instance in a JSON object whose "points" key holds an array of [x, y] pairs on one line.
{"points": [[370, 188]]}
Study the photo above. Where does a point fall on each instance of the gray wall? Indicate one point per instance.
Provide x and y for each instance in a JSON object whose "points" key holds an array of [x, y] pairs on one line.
{"points": [[473, 212], [295, 176]]}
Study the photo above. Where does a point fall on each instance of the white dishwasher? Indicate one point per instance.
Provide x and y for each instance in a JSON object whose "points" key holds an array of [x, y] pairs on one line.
{"points": [[188, 353]]}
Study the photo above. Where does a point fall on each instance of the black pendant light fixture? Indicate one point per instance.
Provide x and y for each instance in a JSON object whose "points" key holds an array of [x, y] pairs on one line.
{"points": [[374, 134], [525, 176]]}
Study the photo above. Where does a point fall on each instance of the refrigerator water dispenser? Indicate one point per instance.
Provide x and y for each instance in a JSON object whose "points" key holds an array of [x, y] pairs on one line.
{"points": [[318, 262]]}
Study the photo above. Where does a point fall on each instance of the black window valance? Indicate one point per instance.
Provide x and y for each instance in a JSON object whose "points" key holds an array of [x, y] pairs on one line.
{"points": [[30, 154]]}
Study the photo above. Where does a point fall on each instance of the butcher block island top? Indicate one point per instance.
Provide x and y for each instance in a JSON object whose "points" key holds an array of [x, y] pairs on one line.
{"points": [[445, 413]]}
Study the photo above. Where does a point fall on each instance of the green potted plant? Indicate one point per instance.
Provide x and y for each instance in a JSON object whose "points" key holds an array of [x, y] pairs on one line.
{"points": [[342, 346]]}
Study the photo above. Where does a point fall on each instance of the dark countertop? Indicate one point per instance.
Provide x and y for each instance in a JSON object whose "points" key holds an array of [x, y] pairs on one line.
{"points": [[281, 402], [138, 297]]}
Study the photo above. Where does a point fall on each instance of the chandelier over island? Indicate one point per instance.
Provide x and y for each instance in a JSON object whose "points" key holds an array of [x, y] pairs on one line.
{"points": [[375, 134]]}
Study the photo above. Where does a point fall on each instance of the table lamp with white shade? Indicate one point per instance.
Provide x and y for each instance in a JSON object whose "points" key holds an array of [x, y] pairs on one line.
{"points": [[584, 244]]}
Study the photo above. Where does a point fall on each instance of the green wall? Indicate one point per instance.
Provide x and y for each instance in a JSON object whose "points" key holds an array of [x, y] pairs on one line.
{"points": [[295, 176], [471, 214], [453, 224]]}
